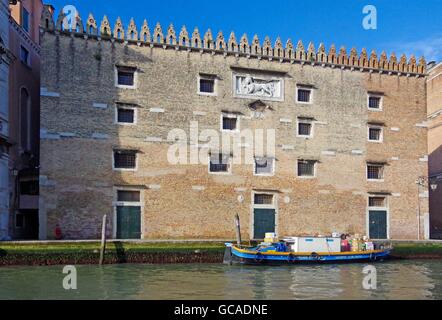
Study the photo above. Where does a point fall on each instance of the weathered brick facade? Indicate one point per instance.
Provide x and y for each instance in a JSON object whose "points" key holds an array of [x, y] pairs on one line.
{"points": [[434, 97], [79, 134]]}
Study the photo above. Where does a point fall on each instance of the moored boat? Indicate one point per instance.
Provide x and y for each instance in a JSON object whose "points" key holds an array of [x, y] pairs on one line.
{"points": [[279, 254]]}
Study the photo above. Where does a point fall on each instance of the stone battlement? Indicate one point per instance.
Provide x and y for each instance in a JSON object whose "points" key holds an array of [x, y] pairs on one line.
{"points": [[219, 45]]}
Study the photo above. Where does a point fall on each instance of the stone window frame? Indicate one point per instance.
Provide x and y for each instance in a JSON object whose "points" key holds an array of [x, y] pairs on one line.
{"points": [[315, 169], [116, 203], [229, 165], [232, 116], [125, 169], [375, 126], [381, 101], [127, 107], [305, 121], [121, 86], [271, 174], [203, 76], [310, 88]]}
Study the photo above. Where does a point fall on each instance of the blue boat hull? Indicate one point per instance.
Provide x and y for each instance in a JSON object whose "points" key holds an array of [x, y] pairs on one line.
{"points": [[234, 256]]}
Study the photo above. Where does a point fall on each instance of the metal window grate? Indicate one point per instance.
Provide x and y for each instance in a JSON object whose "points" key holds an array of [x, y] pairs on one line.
{"points": [[126, 115], [306, 168], [125, 159], [375, 134], [263, 165], [219, 163], [266, 199], [207, 85], [376, 202], [128, 196], [375, 172], [230, 123], [126, 78], [304, 129], [374, 102], [304, 95]]}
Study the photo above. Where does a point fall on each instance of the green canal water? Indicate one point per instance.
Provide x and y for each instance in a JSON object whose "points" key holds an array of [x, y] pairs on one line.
{"points": [[395, 280]]}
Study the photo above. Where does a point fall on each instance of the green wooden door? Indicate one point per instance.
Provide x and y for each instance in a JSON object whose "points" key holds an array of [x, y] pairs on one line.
{"points": [[378, 224], [128, 222], [264, 221]]}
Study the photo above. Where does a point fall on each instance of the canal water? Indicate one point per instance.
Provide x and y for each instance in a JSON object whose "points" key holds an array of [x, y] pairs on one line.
{"points": [[395, 280]]}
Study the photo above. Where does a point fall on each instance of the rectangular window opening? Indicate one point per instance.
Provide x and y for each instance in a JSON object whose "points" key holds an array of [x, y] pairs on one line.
{"points": [[125, 115], [374, 134], [374, 102], [126, 76], [207, 85], [375, 171], [379, 202], [304, 95], [263, 199], [219, 163], [304, 129], [24, 55], [128, 196], [230, 123], [306, 168], [125, 159], [25, 19], [29, 188]]}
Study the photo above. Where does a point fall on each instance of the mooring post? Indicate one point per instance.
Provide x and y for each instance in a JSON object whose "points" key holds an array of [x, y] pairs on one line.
{"points": [[103, 240], [238, 229]]}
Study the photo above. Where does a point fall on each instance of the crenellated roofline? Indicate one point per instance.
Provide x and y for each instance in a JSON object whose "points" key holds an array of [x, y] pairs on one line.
{"points": [[277, 52]]}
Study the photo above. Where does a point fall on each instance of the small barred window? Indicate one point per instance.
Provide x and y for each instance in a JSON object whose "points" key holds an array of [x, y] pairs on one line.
{"points": [[125, 159]]}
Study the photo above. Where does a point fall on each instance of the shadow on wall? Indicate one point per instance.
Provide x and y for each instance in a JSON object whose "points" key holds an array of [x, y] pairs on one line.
{"points": [[128, 107]]}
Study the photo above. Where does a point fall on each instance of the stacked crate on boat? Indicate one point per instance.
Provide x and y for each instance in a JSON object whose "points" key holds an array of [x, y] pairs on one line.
{"points": [[314, 244]]}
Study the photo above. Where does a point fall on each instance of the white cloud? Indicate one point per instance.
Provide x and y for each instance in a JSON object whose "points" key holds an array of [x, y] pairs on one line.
{"points": [[430, 48]]}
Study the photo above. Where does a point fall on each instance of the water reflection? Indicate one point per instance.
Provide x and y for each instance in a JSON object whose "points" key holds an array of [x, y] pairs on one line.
{"points": [[396, 280]]}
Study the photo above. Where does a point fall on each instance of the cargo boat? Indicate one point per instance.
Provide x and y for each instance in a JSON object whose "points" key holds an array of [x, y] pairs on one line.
{"points": [[278, 254]]}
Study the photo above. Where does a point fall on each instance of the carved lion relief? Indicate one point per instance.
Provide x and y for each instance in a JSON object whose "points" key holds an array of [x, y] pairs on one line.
{"points": [[268, 89]]}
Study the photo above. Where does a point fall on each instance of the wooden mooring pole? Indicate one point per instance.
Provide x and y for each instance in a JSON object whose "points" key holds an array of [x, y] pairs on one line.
{"points": [[238, 229], [103, 240]]}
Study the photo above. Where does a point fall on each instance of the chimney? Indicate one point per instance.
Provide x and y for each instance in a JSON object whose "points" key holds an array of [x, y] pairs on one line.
{"points": [[50, 8]]}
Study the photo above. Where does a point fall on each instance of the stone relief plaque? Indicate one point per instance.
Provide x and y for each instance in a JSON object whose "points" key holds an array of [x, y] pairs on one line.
{"points": [[247, 86]]}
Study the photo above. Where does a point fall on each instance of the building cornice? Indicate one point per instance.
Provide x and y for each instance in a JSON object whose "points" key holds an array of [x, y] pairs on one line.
{"points": [[24, 35], [207, 43]]}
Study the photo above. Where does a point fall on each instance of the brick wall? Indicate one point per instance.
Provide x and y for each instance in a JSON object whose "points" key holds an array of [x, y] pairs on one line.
{"points": [[185, 201], [434, 98]]}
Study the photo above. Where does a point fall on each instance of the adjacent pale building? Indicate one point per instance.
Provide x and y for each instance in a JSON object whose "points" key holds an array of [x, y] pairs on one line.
{"points": [[24, 118]]}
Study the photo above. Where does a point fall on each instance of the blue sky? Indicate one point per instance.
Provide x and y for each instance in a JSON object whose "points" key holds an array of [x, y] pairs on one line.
{"points": [[404, 26]]}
